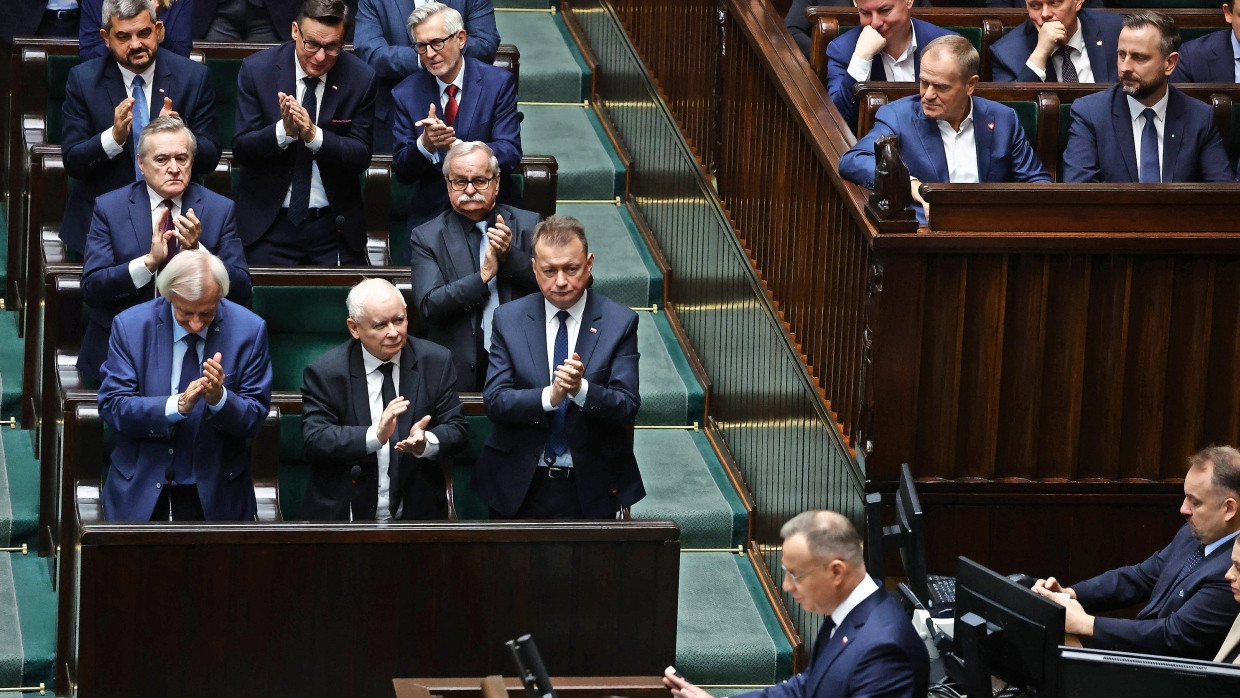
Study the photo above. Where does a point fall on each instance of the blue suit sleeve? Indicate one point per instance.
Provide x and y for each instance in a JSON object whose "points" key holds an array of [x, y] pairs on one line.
{"points": [[201, 120], [483, 41], [249, 397], [105, 279], [232, 253], [351, 150], [1026, 167], [1193, 630], [390, 61], [504, 402], [1215, 166], [122, 405], [839, 82], [81, 149], [857, 165], [254, 141], [178, 27], [1080, 157], [407, 161], [90, 43], [505, 127], [618, 399]]}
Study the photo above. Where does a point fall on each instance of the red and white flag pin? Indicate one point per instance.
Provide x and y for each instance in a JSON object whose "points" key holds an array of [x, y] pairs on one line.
{"points": [[845, 640], [991, 125], [593, 331]]}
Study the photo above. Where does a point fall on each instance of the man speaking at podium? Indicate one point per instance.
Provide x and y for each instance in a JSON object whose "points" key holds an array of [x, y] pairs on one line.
{"points": [[866, 647]]}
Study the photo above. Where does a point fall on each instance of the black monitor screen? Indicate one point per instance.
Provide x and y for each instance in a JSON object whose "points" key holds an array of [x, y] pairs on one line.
{"points": [[909, 518], [1019, 640], [1090, 673]]}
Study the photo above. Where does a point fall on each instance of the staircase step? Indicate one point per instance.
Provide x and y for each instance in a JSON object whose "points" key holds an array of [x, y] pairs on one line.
{"points": [[552, 70], [19, 489], [685, 482], [726, 632], [670, 393], [12, 359], [589, 169], [28, 605], [624, 271]]}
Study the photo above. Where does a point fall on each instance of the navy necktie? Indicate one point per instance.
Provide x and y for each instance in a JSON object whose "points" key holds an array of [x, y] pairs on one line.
{"points": [[191, 367], [303, 163], [1189, 565], [1150, 170], [1067, 69], [557, 440], [824, 637]]}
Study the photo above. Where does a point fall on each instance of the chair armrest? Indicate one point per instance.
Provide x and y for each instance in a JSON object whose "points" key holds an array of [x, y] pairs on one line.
{"points": [[377, 197], [264, 467]]}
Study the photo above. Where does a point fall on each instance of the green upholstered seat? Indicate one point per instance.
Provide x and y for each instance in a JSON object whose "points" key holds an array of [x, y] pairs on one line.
{"points": [[302, 323]]}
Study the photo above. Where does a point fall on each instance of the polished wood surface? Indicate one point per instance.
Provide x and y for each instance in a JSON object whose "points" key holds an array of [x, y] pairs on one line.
{"points": [[567, 686]]}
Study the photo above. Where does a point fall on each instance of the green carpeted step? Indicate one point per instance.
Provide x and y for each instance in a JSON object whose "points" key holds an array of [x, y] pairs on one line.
{"points": [[552, 70], [572, 133], [623, 268], [501, 5], [19, 489], [11, 362], [726, 632], [670, 394], [27, 621], [685, 482]]}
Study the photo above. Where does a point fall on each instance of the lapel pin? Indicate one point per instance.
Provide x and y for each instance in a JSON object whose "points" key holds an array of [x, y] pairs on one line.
{"points": [[593, 331], [161, 90], [1099, 43], [334, 87], [991, 125], [844, 641]]}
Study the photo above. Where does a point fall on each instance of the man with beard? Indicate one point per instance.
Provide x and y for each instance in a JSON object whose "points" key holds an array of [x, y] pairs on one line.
{"points": [[1189, 605], [1144, 129]]}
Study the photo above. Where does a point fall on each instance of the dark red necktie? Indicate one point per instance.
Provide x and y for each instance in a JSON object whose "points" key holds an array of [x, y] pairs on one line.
{"points": [[449, 110]]}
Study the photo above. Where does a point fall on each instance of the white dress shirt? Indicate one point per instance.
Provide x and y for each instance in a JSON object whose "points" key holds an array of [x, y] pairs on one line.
{"points": [[459, 81], [318, 197], [573, 325], [1138, 127], [860, 593], [903, 68], [960, 147], [374, 392], [110, 147], [1080, 59]]}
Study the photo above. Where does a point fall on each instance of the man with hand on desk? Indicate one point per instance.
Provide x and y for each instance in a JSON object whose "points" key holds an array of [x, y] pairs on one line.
{"points": [[383, 402], [947, 134], [186, 386], [1188, 603], [867, 646]]}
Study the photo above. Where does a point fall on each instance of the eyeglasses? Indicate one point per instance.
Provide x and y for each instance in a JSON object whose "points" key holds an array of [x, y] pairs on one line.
{"points": [[480, 183], [798, 578], [437, 44], [314, 47]]}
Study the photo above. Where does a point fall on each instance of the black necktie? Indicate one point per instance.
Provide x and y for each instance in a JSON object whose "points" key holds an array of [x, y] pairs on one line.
{"points": [[1067, 69], [299, 199], [191, 367], [387, 395], [557, 440]]}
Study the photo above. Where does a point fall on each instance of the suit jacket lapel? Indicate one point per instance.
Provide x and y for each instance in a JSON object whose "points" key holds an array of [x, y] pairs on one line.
{"points": [[1121, 119], [983, 135], [140, 216], [359, 397], [1173, 136], [536, 339], [162, 85], [456, 242], [470, 97], [587, 340], [1099, 62], [838, 643], [113, 81], [161, 375], [931, 143]]}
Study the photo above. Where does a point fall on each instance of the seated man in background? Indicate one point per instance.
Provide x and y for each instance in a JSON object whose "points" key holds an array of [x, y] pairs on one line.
{"points": [[455, 98], [1060, 42], [1230, 651], [1144, 129], [946, 134], [384, 403], [1214, 57], [100, 133], [382, 40], [469, 260], [38, 18], [887, 45], [138, 228], [248, 21], [866, 647], [1188, 603], [176, 16], [798, 24], [186, 386]]}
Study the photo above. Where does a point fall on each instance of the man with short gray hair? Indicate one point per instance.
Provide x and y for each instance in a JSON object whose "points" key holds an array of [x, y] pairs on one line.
{"points": [[470, 259], [110, 99], [186, 386], [866, 647]]}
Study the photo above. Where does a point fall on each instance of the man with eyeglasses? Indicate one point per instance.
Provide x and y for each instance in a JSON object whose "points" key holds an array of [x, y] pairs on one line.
{"points": [[455, 98], [866, 647], [304, 118], [382, 40], [470, 259]]}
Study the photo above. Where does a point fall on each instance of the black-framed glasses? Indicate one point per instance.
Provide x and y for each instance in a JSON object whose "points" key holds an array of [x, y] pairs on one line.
{"points": [[314, 47], [437, 44], [480, 183]]}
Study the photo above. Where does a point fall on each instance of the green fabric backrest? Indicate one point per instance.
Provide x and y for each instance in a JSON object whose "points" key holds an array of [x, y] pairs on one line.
{"points": [[294, 470], [302, 323], [58, 68], [1027, 114], [468, 504], [224, 81]]}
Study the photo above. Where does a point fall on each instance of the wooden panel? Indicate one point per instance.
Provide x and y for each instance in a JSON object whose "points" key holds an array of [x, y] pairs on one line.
{"points": [[1062, 379], [981, 366], [1024, 347], [939, 393], [1188, 361], [1106, 344], [1144, 387]]}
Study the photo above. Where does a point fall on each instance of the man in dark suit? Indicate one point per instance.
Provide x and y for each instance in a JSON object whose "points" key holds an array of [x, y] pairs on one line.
{"points": [[109, 100], [1144, 129], [38, 18], [866, 647], [562, 392], [186, 386], [887, 45], [383, 41], [137, 228], [946, 134], [1229, 651], [1214, 57], [385, 404], [1035, 50], [469, 260], [248, 21], [1189, 605], [456, 98], [304, 114]]}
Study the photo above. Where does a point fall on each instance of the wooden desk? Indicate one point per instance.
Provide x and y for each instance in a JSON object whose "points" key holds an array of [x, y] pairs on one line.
{"points": [[566, 686]]}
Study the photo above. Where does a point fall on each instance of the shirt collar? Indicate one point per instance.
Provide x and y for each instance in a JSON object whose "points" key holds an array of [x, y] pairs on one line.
{"points": [[157, 200], [1211, 547], [864, 588], [946, 128], [912, 44], [459, 80], [301, 72], [1160, 107], [576, 311], [1235, 46], [127, 76], [178, 332], [1077, 40], [370, 362]]}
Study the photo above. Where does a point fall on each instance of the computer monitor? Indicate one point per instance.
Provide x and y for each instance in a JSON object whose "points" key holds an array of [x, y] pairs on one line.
{"points": [[1088, 673], [907, 534], [1005, 630]]}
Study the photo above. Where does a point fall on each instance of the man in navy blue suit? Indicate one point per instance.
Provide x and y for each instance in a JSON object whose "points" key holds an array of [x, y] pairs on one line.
{"points": [[456, 98], [946, 134], [1214, 57], [1189, 603], [887, 45], [383, 40], [304, 119], [38, 18], [186, 386], [108, 101], [137, 228], [866, 647], [1144, 129], [561, 392], [1035, 50]]}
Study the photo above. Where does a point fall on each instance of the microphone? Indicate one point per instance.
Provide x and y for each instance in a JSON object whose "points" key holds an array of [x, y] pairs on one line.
{"points": [[340, 224], [169, 476], [355, 473], [530, 667]]}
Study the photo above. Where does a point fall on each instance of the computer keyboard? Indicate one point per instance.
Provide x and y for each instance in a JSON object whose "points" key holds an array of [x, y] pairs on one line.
{"points": [[942, 591]]}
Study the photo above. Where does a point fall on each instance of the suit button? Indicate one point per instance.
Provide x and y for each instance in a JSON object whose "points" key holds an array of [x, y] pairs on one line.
{"points": [[171, 451], [159, 485]]}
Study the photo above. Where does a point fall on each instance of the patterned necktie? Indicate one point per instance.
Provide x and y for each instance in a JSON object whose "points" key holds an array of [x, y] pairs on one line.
{"points": [[141, 117], [1067, 69], [557, 440], [174, 245], [1193, 560], [1150, 169], [191, 367], [303, 161], [449, 109], [488, 312]]}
